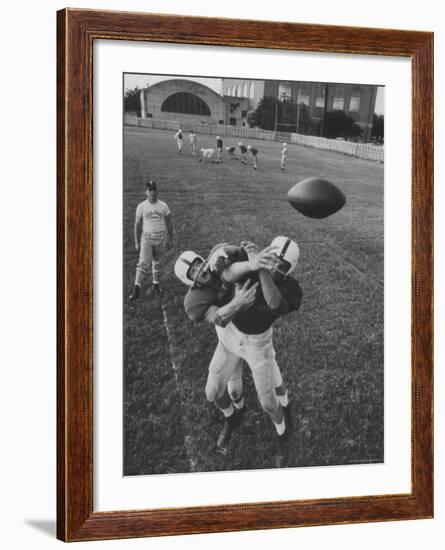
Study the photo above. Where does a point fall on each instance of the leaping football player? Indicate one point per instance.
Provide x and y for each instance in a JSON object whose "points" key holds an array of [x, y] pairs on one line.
{"points": [[153, 217], [244, 329]]}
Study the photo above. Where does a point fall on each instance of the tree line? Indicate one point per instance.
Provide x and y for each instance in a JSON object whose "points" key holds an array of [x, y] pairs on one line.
{"points": [[274, 114]]}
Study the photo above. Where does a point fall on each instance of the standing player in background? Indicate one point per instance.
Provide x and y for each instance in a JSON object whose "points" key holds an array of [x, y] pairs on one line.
{"points": [[231, 152], [153, 217], [254, 153], [243, 151], [219, 149], [179, 140], [193, 140], [283, 156]]}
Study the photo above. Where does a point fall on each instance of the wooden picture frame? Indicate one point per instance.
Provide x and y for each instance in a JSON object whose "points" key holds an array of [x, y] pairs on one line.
{"points": [[77, 31]]}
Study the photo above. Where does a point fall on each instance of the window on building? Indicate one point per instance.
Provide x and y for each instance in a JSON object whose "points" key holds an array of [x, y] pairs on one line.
{"points": [[303, 98], [187, 103], [220, 121], [243, 114], [252, 91], [338, 104], [320, 99], [354, 103], [232, 121], [284, 91], [149, 115]]}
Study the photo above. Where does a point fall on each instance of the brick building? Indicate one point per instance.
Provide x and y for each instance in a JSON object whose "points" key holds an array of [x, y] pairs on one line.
{"points": [[356, 100]]}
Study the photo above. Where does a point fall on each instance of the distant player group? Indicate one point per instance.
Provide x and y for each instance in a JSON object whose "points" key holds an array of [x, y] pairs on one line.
{"points": [[215, 155]]}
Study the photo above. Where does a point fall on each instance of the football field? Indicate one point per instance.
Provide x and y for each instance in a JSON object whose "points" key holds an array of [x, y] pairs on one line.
{"points": [[330, 351]]}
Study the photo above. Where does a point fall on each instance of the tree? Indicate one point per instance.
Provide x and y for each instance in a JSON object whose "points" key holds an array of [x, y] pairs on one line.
{"points": [[339, 124], [132, 101], [378, 127], [285, 115], [267, 112]]}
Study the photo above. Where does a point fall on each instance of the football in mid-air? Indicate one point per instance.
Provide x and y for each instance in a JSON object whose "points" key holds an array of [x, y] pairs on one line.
{"points": [[316, 198]]}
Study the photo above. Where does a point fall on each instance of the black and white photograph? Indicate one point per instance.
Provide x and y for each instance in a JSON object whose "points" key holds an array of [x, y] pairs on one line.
{"points": [[253, 274]]}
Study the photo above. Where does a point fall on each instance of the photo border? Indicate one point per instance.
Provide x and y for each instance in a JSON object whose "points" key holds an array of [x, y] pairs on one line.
{"points": [[76, 32]]}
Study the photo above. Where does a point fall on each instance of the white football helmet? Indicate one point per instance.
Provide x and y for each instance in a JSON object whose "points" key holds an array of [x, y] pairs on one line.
{"points": [[288, 251], [183, 264], [240, 143], [284, 144]]}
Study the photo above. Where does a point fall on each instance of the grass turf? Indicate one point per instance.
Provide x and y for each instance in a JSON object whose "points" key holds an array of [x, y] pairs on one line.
{"points": [[330, 351]]}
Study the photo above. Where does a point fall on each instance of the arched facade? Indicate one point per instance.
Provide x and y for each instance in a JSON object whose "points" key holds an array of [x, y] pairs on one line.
{"points": [[180, 99], [185, 103]]}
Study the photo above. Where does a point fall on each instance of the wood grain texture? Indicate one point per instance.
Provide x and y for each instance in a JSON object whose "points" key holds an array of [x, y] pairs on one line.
{"points": [[77, 30]]}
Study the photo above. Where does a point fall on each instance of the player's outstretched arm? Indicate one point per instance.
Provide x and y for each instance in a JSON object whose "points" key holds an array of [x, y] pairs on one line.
{"points": [[244, 298], [272, 294], [137, 227], [255, 261]]}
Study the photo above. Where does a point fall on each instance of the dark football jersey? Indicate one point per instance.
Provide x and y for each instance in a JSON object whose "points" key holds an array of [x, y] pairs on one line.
{"points": [[258, 318]]}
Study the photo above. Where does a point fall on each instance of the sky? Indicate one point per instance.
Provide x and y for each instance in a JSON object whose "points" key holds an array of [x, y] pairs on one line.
{"points": [[141, 80]]}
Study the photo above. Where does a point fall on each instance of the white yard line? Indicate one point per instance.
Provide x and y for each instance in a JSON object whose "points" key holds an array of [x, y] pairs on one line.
{"points": [[174, 365], [188, 439]]}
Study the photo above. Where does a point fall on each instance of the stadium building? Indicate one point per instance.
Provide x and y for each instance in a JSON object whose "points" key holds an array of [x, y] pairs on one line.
{"points": [[356, 100], [180, 99]]}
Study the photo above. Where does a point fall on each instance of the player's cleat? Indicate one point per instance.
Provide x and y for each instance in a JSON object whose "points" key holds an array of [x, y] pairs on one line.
{"points": [[288, 419], [282, 456], [158, 289], [230, 424], [135, 294]]}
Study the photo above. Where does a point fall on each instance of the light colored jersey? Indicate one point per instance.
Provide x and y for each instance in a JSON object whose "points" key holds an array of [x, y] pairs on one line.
{"points": [[207, 153], [153, 216], [193, 138], [284, 152]]}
